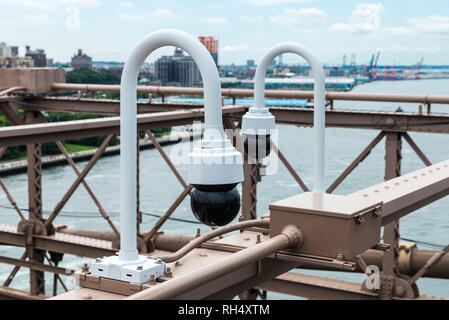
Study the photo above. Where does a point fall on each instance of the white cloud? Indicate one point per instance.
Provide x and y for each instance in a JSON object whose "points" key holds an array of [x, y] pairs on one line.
{"points": [[133, 17], [127, 4], [425, 26], [292, 16], [251, 18], [40, 5], [155, 15], [364, 18], [394, 31], [274, 2], [87, 3], [215, 20], [28, 20], [162, 12], [430, 25], [231, 48], [402, 48]]}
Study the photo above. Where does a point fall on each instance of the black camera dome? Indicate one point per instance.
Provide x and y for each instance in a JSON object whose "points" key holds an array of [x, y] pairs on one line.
{"points": [[215, 205], [257, 146]]}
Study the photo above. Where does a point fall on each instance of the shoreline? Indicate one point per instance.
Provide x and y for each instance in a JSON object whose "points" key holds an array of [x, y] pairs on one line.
{"points": [[20, 166]]}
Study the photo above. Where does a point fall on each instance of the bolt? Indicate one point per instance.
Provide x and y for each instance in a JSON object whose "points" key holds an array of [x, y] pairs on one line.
{"points": [[98, 260], [85, 267], [158, 261], [258, 239], [340, 257], [359, 219], [377, 213], [198, 232], [178, 263], [139, 267], [168, 272], [152, 279], [399, 290]]}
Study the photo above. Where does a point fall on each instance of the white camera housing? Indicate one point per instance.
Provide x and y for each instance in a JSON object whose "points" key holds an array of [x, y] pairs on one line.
{"points": [[215, 161], [258, 121]]}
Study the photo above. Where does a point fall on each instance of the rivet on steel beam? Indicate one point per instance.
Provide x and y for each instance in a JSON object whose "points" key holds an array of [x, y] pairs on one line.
{"points": [[85, 267], [359, 219], [377, 213], [198, 232], [340, 257], [399, 290], [258, 239], [139, 267], [168, 272]]}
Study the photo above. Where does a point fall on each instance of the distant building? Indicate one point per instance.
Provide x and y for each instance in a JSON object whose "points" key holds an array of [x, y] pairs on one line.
{"points": [[4, 50], [38, 56], [14, 51], [177, 70], [164, 70], [9, 57], [336, 72], [211, 45], [250, 64], [81, 60], [16, 62], [116, 71]]}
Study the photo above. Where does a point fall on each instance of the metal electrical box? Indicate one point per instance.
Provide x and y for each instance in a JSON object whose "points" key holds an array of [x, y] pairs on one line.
{"points": [[333, 226]]}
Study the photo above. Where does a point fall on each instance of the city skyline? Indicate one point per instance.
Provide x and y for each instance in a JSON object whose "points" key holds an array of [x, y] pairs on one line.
{"points": [[403, 31]]}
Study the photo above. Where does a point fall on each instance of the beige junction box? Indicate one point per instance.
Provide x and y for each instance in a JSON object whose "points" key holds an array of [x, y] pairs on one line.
{"points": [[332, 225]]}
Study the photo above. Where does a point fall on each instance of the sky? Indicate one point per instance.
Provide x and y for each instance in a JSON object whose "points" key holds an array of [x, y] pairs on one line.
{"points": [[404, 31]]}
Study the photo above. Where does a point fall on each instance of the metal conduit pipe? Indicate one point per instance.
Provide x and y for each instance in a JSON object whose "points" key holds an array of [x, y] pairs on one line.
{"points": [[5, 92], [290, 94], [210, 235], [291, 237], [417, 258]]}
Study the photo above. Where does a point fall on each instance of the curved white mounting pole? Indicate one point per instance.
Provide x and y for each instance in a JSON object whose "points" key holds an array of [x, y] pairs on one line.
{"points": [[128, 120], [319, 98]]}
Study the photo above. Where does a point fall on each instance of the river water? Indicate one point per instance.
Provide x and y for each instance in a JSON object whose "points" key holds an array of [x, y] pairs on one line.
{"points": [[429, 226]]}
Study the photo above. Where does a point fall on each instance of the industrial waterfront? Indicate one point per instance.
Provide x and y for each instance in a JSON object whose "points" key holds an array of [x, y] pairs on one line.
{"points": [[428, 227]]}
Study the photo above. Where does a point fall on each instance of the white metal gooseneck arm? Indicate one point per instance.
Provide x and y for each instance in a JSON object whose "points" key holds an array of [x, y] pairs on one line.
{"points": [[319, 100], [128, 120]]}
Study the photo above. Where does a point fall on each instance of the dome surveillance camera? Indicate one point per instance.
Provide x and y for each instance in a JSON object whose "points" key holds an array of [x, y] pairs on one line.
{"points": [[257, 126], [215, 169], [215, 205], [257, 146]]}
